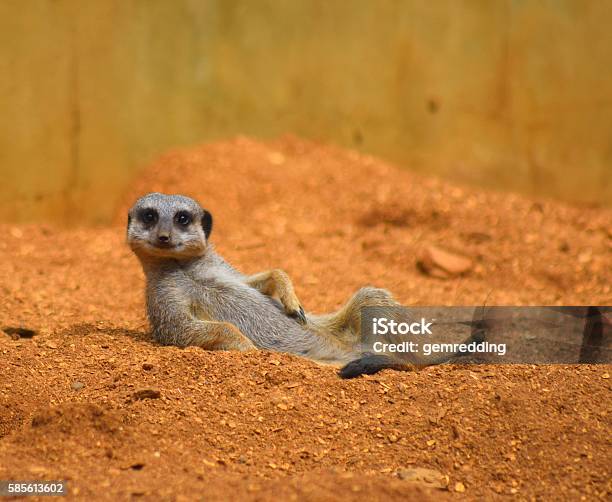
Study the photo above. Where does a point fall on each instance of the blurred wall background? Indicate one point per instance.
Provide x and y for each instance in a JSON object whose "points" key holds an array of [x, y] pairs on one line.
{"points": [[514, 94]]}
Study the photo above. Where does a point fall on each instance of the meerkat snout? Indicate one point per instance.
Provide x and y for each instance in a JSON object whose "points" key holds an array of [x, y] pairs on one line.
{"points": [[168, 226]]}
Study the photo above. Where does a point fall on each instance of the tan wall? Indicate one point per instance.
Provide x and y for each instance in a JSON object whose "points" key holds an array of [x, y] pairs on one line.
{"points": [[513, 94]]}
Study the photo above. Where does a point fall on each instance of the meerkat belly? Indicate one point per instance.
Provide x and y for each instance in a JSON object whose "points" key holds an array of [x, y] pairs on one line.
{"points": [[259, 317]]}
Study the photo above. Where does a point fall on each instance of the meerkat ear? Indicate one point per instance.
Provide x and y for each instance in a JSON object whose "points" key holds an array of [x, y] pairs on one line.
{"points": [[207, 222]]}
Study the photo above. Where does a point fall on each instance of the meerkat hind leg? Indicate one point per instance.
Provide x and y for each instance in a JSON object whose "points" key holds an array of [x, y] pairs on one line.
{"points": [[223, 336], [349, 316], [215, 335]]}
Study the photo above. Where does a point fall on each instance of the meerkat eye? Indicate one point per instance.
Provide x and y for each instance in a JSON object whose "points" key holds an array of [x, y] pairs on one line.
{"points": [[149, 216], [183, 218]]}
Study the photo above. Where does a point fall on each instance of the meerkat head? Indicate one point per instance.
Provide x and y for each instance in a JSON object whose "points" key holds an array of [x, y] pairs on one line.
{"points": [[168, 226]]}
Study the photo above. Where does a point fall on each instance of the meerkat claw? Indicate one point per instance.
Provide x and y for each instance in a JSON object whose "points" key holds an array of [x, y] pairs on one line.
{"points": [[299, 315]]}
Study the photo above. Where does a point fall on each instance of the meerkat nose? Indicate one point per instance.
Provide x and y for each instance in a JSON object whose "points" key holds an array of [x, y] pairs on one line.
{"points": [[163, 238]]}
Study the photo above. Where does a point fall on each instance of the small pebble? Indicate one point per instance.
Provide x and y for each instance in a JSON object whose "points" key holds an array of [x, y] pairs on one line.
{"points": [[147, 394]]}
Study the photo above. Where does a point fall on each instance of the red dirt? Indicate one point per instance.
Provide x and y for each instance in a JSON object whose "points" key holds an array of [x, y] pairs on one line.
{"points": [[264, 426]]}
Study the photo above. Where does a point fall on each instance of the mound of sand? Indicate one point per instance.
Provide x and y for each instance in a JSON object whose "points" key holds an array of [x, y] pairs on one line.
{"points": [[90, 399], [315, 209]]}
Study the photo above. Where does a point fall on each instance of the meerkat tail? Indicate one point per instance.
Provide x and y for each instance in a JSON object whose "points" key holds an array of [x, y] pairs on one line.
{"points": [[368, 364]]}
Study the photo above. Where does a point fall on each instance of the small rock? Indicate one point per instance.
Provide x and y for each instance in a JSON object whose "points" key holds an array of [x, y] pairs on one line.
{"points": [[585, 257], [77, 385], [427, 477], [456, 433], [443, 264], [38, 470], [459, 487], [16, 232], [51, 344], [147, 394], [276, 158], [605, 376], [147, 366]]}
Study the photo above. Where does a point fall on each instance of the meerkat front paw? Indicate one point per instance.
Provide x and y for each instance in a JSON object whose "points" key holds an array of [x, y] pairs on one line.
{"points": [[299, 315], [276, 284], [292, 306]]}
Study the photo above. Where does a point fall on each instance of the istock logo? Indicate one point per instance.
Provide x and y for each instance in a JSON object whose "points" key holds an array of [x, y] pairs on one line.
{"points": [[384, 326]]}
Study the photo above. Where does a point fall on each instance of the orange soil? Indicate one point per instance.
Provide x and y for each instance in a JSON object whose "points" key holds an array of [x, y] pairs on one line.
{"points": [[264, 426]]}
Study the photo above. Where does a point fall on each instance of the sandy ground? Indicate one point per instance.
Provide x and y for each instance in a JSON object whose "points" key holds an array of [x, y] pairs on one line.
{"points": [[89, 398]]}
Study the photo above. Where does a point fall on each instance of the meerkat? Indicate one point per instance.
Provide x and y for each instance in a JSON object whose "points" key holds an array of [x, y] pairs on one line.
{"points": [[195, 298]]}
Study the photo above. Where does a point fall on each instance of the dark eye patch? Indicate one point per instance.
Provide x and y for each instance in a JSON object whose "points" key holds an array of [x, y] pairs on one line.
{"points": [[183, 218], [148, 216]]}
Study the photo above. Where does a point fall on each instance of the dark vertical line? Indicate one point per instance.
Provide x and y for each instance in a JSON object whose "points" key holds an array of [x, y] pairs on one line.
{"points": [[592, 337]]}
